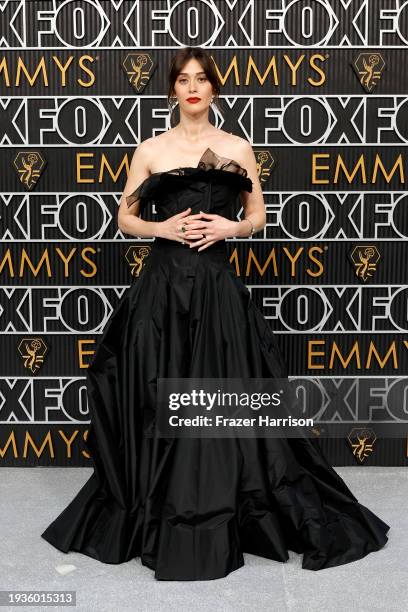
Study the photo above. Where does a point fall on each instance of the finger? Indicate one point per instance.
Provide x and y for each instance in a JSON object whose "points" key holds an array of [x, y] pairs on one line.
{"points": [[196, 225], [189, 226], [184, 241], [194, 232], [207, 215], [194, 236], [196, 220], [207, 244], [204, 240], [195, 217], [183, 213]]}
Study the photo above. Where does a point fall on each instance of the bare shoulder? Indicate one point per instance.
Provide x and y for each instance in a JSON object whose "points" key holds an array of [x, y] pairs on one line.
{"points": [[242, 152], [230, 145], [139, 166], [242, 147], [234, 146], [155, 148], [144, 153]]}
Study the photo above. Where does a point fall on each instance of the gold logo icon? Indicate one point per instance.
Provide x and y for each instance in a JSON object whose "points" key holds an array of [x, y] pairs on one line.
{"points": [[138, 68], [135, 257], [264, 164], [365, 259], [369, 67], [29, 166], [362, 442], [32, 350]]}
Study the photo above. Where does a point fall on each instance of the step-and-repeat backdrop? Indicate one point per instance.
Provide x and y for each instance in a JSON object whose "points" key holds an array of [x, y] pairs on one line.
{"points": [[319, 88]]}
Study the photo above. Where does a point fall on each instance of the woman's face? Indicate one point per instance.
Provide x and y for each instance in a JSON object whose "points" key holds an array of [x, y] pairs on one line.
{"points": [[192, 88]]}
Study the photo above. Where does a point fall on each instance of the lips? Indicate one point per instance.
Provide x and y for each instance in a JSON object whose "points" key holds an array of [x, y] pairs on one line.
{"points": [[193, 100]]}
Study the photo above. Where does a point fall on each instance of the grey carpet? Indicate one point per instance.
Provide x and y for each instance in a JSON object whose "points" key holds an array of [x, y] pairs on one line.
{"points": [[32, 497]]}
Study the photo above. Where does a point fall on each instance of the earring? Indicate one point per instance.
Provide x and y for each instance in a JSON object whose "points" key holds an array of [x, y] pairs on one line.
{"points": [[173, 103]]}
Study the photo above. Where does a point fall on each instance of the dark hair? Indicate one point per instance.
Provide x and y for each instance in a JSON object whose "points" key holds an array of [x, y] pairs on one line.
{"points": [[177, 64]]}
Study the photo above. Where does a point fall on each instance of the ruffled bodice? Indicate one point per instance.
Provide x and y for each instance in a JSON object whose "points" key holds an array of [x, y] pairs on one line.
{"points": [[212, 186]]}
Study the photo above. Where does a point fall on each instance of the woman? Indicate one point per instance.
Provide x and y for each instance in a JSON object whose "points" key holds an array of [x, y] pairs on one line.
{"points": [[190, 507]]}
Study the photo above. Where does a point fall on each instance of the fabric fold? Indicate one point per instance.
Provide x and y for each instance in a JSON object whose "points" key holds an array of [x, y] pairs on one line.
{"points": [[211, 167], [191, 507]]}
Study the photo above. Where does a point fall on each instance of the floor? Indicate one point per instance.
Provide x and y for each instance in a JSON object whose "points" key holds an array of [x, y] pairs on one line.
{"points": [[32, 497]]}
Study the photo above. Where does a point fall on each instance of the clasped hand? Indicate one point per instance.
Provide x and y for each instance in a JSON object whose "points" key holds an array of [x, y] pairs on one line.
{"points": [[201, 229]]}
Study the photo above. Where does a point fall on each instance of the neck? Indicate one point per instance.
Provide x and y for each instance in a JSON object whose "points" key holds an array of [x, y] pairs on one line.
{"points": [[194, 129]]}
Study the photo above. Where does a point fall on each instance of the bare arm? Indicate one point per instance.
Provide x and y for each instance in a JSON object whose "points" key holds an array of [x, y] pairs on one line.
{"points": [[129, 221], [254, 206]]}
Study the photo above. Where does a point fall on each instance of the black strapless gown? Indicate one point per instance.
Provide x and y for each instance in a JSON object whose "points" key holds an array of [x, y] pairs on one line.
{"points": [[189, 508]]}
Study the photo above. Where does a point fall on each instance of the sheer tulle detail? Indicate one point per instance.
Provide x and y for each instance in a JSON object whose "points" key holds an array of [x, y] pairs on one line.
{"points": [[210, 163], [210, 159]]}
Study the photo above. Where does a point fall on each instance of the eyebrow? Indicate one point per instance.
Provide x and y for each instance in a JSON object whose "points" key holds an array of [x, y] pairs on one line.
{"points": [[202, 72]]}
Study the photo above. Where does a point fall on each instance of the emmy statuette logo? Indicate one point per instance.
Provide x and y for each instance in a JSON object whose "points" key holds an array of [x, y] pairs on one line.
{"points": [[362, 442], [365, 259], [135, 257], [369, 68], [32, 351], [29, 166], [139, 68], [264, 164]]}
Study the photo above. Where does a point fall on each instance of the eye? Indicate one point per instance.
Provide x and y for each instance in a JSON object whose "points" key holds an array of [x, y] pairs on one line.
{"points": [[183, 80]]}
